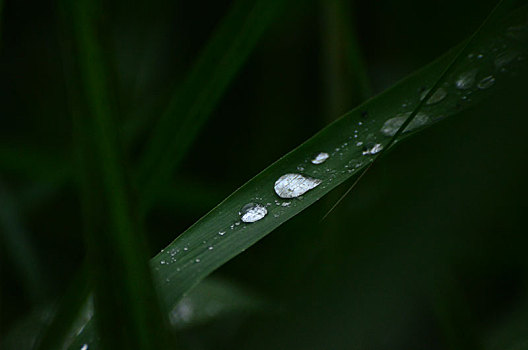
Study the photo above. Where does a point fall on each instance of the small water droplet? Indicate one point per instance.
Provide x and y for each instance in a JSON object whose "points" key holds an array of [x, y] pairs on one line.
{"points": [[294, 185], [221, 233], [505, 58], [252, 212], [320, 158], [436, 97], [391, 126], [211, 248], [374, 149], [197, 260], [286, 204], [486, 82], [359, 143], [480, 56], [185, 248], [466, 80], [163, 262], [84, 347]]}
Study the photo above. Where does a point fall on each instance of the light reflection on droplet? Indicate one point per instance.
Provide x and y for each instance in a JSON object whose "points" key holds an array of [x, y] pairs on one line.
{"points": [[391, 126], [373, 150], [294, 185], [486, 82], [320, 158], [436, 97], [466, 80], [252, 212]]}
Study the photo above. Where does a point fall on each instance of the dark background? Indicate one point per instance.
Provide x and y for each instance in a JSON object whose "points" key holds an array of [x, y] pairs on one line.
{"points": [[429, 251]]}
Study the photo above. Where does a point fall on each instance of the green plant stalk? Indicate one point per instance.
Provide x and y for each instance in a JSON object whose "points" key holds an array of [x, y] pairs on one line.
{"points": [[128, 315], [196, 98]]}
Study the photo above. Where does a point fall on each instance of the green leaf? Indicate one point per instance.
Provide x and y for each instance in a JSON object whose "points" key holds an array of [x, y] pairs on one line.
{"points": [[128, 314], [196, 98], [352, 142], [493, 58]]}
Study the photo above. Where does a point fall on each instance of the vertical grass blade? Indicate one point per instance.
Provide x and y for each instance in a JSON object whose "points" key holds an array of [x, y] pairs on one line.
{"points": [[195, 99], [344, 70], [128, 315]]}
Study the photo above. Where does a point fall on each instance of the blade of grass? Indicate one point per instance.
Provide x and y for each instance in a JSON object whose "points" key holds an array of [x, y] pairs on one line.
{"points": [[195, 99], [188, 256], [116, 249], [464, 50], [345, 74], [352, 142]]}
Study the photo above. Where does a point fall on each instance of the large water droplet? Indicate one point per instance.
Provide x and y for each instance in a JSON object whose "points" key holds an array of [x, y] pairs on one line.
{"points": [[486, 82], [252, 212], [391, 126], [374, 149], [294, 185], [436, 97], [466, 80], [320, 158]]}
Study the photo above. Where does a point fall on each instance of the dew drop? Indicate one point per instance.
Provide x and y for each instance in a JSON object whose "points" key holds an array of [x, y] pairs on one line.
{"points": [[84, 347], [436, 97], [466, 80], [221, 233], [294, 185], [391, 126], [374, 149], [197, 260], [320, 158], [252, 212], [486, 82], [505, 58]]}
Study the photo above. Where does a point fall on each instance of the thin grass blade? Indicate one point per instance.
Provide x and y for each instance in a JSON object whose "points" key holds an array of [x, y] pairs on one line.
{"points": [[128, 314], [195, 99]]}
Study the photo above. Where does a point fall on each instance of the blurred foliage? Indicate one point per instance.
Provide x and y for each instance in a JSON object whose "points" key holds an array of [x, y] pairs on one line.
{"points": [[428, 251]]}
